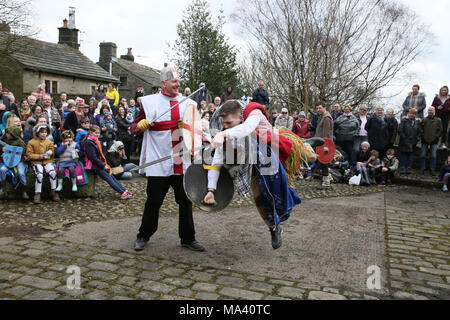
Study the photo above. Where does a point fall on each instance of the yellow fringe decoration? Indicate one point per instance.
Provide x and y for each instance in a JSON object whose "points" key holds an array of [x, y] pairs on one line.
{"points": [[300, 153]]}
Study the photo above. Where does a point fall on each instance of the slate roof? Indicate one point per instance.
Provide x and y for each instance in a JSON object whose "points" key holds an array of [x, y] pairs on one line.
{"points": [[146, 74], [58, 59]]}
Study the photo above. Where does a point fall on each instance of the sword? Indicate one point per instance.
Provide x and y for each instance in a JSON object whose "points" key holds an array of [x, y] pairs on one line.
{"points": [[188, 97], [176, 155]]}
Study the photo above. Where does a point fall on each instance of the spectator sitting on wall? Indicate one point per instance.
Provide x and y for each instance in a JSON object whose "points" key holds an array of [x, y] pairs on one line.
{"points": [[228, 95], [114, 97]]}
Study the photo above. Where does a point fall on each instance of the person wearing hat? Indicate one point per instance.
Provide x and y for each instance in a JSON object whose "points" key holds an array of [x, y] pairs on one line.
{"points": [[285, 120], [41, 151], [161, 140], [302, 126], [203, 95], [68, 158], [117, 159]]}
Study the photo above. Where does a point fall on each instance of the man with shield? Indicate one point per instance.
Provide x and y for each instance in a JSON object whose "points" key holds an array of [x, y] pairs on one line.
{"points": [[13, 163], [266, 176], [160, 119]]}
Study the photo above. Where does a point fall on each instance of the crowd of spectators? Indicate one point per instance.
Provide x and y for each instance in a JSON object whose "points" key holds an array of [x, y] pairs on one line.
{"points": [[365, 142], [57, 135]]}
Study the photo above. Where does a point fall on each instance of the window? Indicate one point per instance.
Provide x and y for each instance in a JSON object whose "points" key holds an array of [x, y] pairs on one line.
{"points": [[51, 86], [123, 81], [54, 87]]}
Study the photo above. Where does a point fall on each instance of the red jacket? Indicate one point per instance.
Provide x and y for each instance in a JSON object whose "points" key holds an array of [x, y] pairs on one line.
{"points": [[302, 130], [437, 103]]}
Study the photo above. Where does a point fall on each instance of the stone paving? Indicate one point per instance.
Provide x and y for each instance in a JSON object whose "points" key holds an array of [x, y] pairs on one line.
{"points": [[34, 260]]}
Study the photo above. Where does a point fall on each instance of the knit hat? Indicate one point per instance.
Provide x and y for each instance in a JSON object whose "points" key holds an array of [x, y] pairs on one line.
{"points": [[302, 114], [108, 114], [365, 143]]}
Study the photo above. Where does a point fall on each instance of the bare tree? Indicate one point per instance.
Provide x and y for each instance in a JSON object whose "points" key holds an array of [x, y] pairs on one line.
{"points": [[15, 26], [328, 50]]}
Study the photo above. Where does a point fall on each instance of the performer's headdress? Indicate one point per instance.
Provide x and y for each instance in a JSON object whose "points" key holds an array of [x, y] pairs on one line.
{"points": [[169, 72]]}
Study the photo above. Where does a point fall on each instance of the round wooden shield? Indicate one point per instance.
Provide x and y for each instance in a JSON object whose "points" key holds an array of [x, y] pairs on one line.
{"points": [[196, 186], [326, 157], [192, 128]]}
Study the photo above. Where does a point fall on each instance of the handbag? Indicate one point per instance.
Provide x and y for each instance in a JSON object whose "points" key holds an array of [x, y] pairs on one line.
{"points": [[80, 174], [117, 170]]}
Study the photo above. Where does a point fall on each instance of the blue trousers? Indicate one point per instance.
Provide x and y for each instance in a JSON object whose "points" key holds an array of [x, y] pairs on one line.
{"points": [[111, 181], [406, 160], [433, 158], [21, 172]]}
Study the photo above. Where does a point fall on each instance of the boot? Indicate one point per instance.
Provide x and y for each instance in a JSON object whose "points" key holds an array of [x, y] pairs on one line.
{"points": [[55, 196], [60, 185], [2, 188], [326, 183], [277, 240], [25, 194], [37, 199], [74, 185]]}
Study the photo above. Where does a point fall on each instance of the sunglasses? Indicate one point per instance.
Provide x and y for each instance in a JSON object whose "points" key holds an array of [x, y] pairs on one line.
{"points": [[284, 113]]}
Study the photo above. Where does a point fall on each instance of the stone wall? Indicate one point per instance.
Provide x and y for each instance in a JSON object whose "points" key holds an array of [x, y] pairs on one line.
{"points": [[133, 82], [73, 86], [85, 191]]}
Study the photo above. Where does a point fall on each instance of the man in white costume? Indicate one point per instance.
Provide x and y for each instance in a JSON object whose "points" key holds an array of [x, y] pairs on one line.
{"points": [[162, 139]]}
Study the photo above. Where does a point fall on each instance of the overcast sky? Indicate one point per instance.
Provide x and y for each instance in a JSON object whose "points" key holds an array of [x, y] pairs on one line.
{"points": [[148, 26]]}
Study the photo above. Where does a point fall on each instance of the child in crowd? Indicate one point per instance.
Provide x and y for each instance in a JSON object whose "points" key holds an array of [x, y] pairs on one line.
{"points": [[96, 161], [82, 132], [40, 151], [68, 157], [12, 137], [389, 167], [117, 159], [109, 128], [207, 138], [338, 166], [445, 174], [373, 165], [129, 118]]}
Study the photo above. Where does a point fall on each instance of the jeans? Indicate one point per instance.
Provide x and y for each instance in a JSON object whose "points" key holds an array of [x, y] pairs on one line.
{"points": [[406, 160], [126, 175], [111, 181], [21, 169], [433, 158]]}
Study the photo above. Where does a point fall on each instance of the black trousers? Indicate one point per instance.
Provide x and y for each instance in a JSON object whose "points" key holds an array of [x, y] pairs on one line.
{"points": [[157, 188]]}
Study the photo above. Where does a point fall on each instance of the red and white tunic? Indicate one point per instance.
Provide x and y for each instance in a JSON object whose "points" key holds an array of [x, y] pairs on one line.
{"points": [[163, 139]]}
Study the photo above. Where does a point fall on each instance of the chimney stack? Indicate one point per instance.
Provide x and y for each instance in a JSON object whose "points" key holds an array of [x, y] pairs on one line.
{"points": [[68, 33], [108, 51], [129, 56]]}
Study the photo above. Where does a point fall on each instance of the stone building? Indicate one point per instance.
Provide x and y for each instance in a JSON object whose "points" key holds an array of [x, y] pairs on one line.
{"points": [[130, 74], [61, 67]]}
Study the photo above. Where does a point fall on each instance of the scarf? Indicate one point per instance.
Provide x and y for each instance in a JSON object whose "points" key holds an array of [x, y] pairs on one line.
{"points": [[101, 155], [25, 114]]}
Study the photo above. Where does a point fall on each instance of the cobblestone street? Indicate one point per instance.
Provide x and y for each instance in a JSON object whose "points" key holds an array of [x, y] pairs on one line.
{"points": [[402, 230]]}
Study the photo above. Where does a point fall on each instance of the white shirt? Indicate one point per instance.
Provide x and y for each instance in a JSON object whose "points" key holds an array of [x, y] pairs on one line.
{"points": [[158, 144], [363, 132]]}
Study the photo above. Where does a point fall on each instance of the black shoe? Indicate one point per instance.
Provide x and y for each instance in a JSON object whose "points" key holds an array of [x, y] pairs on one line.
{"points": [[409, 171], [194, 246], [140, 244], [277, 241]]}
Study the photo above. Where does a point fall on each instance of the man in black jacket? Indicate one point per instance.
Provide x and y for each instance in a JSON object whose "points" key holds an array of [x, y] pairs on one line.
{"points": [[260, 95]]}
